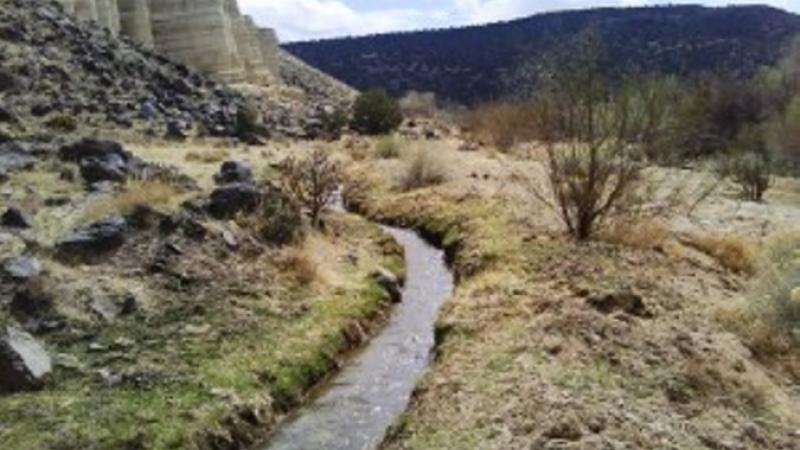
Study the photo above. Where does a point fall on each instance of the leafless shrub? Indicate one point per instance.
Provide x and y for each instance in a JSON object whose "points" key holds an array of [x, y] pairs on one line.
{"points": [[311, 182], [750, 172], [594, 166]]}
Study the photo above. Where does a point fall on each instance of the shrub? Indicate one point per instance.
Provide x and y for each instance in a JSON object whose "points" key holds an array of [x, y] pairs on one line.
{"points": [[333, 122], [62, 122], [750, 171], [374, 112], [279, 219], [776, 291], [311, 182], [248, 122], [424, 169], [387, 147], [593, 171]]}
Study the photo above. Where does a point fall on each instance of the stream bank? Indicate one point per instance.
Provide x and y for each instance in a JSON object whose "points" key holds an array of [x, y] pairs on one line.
{"points": [[356, 408]]}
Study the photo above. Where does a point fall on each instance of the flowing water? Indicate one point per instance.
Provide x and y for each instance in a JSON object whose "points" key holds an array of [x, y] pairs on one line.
{"points": [[356, 408]]}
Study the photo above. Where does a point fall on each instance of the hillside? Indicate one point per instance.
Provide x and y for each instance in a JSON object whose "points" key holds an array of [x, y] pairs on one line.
{"points": [[475, 63]]}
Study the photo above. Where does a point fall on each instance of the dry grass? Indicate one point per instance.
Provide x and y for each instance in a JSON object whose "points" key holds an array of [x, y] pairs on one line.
{"points": [[208, 156], [136, 194], [733, 252], [387, 147], [424, 168], [644, 234], [296, 262]]}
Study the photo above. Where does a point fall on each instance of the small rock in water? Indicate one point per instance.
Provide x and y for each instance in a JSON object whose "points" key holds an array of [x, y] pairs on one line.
{"points": [[390, 282]]}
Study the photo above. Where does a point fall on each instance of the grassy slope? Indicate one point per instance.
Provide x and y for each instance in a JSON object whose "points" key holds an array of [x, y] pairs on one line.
{"points": [[212, 355], [524, 362]]}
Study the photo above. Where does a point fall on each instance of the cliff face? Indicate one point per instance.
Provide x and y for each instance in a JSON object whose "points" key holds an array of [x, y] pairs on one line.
{"points": [[210, 35]]}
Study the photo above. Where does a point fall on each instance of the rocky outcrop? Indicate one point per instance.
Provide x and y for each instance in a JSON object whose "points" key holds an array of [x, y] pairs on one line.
{"points": [[24, 363], [210, 35], [199, 34]]}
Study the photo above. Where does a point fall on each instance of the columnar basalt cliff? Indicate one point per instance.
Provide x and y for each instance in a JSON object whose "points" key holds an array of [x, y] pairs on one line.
{"points": [[210, 35], [135, 21]]}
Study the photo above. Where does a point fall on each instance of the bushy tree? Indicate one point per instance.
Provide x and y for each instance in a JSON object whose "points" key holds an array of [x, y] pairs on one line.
{"points": [[375, 112], [311, 182], [592, 168]]}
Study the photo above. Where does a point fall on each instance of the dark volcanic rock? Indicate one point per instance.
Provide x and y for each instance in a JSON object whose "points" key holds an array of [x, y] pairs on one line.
{"points": [[15, 218], [90, 243], [34, 300], [227, 201], [14, 157], [92, 148], [7, 115], [234, 172], [24, 363], [100, 160], [111, 168], [8, 81], [175, 130]]}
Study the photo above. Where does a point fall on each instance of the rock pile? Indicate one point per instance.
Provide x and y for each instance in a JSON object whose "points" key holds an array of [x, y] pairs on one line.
{"points": [[59, 72]]}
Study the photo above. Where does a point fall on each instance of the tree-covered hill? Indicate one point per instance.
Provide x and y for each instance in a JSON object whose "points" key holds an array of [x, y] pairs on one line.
{"points": [[476, 63]]}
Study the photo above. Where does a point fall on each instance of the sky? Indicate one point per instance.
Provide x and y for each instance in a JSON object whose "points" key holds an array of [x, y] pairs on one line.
{"points": [[297, 20]]}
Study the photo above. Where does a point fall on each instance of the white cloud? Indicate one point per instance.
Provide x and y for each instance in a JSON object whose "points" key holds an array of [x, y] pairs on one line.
{"points": [[312, 19], [309, 19]]}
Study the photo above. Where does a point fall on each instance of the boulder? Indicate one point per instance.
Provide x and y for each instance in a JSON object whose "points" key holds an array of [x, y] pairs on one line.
{"points": [[175, 130], [148, 111], [8, 81], [94, 241], [24, 363], [229, 200], [7, 115], [100, 160], [34, 300], [22, 268], [109, 308], [15, 218], [234, 172], [14, 157], [92, 148], [390, 282], [110, 168]]}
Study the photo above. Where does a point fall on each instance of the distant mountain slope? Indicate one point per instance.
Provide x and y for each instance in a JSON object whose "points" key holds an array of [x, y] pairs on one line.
{"points": [[472, 64]]}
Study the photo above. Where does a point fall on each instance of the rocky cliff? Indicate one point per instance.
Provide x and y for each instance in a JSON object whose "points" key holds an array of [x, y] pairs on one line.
{"points": [[62, 74], [210, 35]]}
